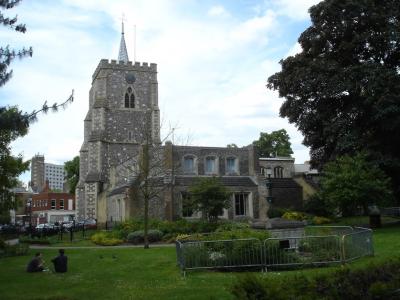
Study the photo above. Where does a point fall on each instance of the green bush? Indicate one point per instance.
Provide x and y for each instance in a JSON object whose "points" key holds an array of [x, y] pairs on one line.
{"points": [[232, 225], [294, 215], [252, 287], [276, 212], [316, 205], [320, 220], [136, 237], [245, 233], [171, 229], [105, 239], [376, 281], [35, 240]]}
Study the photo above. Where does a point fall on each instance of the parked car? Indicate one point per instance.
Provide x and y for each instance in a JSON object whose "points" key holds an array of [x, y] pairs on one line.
{"points": [[88, 223], [43, 226], [9, 229]]}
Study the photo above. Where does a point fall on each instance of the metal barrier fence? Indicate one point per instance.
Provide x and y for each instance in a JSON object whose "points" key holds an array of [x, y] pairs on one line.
{"points": [[219, 254], [357, 244], [302, 251], [391, 211], [320, 245]]}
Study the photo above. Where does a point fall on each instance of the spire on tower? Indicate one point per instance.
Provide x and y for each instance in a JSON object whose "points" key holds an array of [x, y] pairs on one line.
{"points": [[123, 53]]}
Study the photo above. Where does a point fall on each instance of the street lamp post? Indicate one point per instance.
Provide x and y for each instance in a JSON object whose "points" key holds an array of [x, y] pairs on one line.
{"points": [[269, 186], [29, 204]]}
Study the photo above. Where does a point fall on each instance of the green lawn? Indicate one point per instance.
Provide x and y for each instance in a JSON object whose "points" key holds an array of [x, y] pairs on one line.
{"points": [[135, 273], [363, 221]]}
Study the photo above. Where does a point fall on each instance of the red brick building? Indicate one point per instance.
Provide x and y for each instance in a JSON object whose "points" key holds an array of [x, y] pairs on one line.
{"points": [[51, 207]]}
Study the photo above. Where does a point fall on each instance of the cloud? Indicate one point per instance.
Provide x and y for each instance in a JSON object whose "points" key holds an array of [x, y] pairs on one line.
{"points": [[213, 64], [294, 9], [294, 50], [218, 11]]}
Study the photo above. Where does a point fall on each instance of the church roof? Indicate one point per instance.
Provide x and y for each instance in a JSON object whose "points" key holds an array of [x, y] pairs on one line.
{"points": [[123, 52], [226, 180], [244, 181], [94, 177]]}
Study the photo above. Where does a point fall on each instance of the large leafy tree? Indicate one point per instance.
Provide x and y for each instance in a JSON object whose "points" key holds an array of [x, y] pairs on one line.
{"points": [[350, 182], [274, 144], [209, 196], [72, 169], [343, 90], [13, 122]]}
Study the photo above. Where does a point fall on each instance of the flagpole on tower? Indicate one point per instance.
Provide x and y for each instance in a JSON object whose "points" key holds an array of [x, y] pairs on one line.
{"points": [[134, 43]]}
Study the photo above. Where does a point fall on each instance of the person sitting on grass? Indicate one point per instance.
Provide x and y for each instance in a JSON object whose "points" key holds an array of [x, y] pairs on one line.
{"points": [[36, 264], [60, 262]]}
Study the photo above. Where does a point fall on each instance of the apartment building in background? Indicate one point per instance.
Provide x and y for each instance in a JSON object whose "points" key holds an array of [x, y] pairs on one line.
{"points": [[42, 171]]}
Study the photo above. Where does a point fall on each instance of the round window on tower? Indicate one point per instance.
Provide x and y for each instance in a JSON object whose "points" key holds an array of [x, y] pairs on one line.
{"points": [[130, 78]]}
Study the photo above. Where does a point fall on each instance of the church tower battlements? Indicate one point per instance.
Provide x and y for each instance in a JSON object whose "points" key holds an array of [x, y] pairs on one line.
{"points": [[122, 97]]}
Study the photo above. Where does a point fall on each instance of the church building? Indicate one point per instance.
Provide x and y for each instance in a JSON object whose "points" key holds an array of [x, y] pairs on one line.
{"points": [[123, 112]]}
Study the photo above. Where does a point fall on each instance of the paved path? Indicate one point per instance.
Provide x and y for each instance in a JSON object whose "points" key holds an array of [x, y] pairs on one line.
{"points": [[12, 242], [101, 247]]}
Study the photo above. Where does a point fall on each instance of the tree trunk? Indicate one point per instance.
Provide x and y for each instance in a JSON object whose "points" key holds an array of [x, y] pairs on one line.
{"points": [[146, 223]]}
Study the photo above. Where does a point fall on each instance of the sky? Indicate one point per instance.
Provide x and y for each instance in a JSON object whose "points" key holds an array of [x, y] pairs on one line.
{"points": [[213, 60]]}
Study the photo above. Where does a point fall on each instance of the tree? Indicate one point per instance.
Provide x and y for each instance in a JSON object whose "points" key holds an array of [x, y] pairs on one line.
{"points": [[72, 169], [350, 182], [342, 91], [210, 196], [13, 122], [232, 145], [147, 171], [274, 144], [7, 55]]}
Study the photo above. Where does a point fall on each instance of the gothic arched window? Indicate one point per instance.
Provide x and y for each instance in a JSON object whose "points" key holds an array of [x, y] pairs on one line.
{"points": [[132, 103], [129, 98]]}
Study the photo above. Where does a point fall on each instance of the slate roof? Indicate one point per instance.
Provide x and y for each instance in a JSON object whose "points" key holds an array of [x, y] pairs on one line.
{"points": [[226, 180], [284, 183], [245, 181], [94, 177], [118, 190], [158, 182]]}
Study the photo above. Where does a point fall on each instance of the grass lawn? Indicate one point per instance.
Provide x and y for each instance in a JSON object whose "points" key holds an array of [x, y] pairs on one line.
{"points": [[363, 221], [135, 273]]}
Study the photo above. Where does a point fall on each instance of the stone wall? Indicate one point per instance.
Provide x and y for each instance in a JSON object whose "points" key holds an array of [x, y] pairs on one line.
{"points": [[112, 131], [247, 162]]}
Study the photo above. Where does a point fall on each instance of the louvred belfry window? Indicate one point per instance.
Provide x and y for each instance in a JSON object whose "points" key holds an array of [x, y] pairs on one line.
{"points": [[129, 98]]}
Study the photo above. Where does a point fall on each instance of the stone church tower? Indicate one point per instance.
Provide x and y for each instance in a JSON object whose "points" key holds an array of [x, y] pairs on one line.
{"points": [[123, 95]]}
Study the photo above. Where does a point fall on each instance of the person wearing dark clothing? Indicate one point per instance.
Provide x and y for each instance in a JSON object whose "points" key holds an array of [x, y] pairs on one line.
{"points": [[36, 264], [60, 262]]}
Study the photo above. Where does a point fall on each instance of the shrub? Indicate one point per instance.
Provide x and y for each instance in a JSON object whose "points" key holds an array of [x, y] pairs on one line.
{"points": [[245, 233], [136, 237], [35, 240], [171, 229], [294, 215], [316, 205], [253, 287], [321, 220], [378, 281], [105, 239], [230, 225], [276, 212], [124, 228]]}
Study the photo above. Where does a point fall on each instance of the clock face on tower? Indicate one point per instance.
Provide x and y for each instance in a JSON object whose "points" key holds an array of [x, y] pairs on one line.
{"points": [[130, 78]]}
